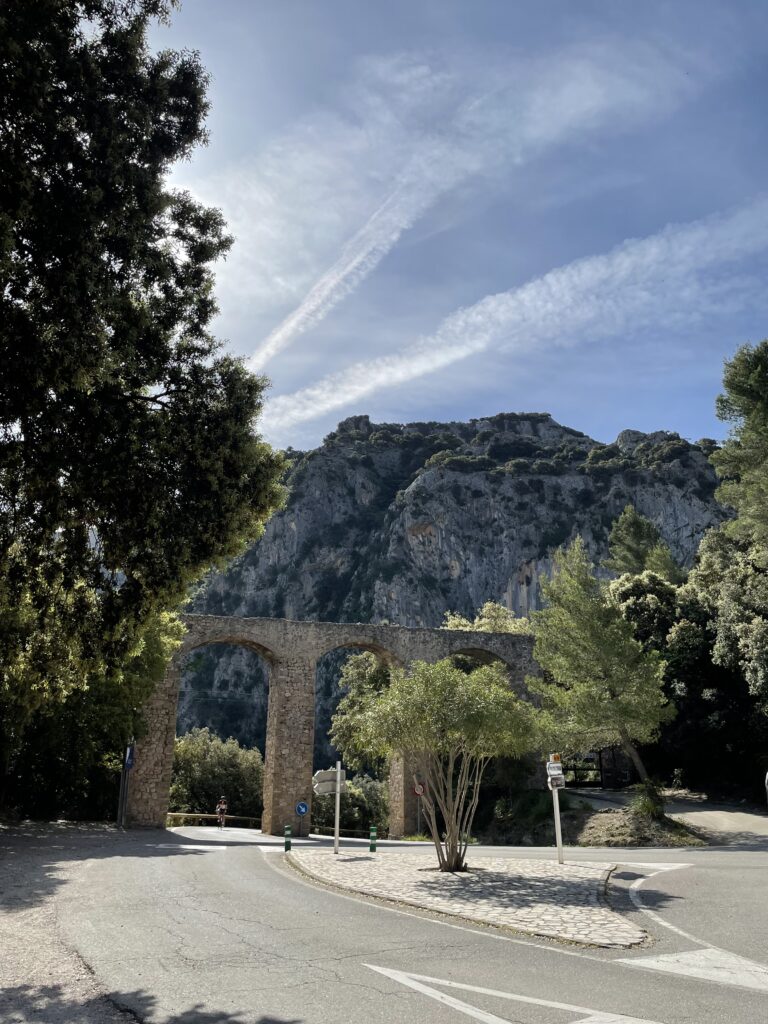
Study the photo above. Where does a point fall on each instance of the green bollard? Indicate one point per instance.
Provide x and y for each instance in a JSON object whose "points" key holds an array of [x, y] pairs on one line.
{"points": [[372, 844], [287, 832]]}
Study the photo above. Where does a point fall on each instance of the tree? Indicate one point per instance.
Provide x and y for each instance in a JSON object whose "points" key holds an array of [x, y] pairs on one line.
{"points": [[491, 618], [68, 759], [128, 459], [742, 462], [205, 767], [714, 741], [600, 687], [635, 544], [363, 678], [448, 724]]}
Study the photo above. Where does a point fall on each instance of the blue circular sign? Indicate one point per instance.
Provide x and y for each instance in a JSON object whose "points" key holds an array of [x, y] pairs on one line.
{"points": [[301, 808]]}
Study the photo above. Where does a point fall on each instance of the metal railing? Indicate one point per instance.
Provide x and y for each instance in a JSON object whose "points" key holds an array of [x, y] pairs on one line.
{"points": [[177, 818]]}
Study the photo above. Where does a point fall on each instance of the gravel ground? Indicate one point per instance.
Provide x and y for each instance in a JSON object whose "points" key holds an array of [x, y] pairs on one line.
{"points": [[41, 980]]}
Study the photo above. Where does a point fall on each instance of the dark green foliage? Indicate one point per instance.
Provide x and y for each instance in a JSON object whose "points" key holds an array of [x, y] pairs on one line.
{"points": [[67, 762], [715, 741], [206, 767], [635, 544], [742, 462], [128, 461]]}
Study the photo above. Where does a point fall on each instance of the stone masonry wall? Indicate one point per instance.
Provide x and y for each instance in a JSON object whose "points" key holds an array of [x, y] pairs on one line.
{"points": [[292, 650]]}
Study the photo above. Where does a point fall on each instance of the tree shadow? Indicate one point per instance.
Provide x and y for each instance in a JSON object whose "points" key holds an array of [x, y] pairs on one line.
{"points": [[49, 1004], [506, 890], [34, 855]]}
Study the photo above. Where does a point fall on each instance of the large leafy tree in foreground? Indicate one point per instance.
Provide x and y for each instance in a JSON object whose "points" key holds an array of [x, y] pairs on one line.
{"points": [[600, 686], [128, 459], [448, 724]]}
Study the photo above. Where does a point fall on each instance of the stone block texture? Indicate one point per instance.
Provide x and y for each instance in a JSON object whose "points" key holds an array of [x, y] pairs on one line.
{"points": [[292, 650]]}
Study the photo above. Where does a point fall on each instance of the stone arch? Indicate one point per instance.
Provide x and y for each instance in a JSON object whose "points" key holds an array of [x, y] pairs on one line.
{"points": [[224, 686], [292, 650]]}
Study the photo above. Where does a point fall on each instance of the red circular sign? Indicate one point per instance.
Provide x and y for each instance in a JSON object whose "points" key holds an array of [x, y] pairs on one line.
{"points": [[419, 789]]}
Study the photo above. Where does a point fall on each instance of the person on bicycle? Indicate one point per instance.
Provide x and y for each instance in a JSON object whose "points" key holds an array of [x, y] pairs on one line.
{"points": [[221, 811]]}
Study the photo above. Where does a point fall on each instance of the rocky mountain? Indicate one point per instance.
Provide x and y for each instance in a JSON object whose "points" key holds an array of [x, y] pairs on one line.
{"points": [[400, 523]]}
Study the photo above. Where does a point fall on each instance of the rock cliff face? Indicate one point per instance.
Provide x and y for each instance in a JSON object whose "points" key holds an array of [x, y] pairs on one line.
{"points": [[400, 523]]}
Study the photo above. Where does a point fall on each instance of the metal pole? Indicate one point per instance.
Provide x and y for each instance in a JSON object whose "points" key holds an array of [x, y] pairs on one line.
{"points": [[338, 808], [121, 799], [558, 830]]}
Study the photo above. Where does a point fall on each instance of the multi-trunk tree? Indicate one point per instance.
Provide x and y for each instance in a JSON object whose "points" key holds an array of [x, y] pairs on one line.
{"points": [[447, 724]]}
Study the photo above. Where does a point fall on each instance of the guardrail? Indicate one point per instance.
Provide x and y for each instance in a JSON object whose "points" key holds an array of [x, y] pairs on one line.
{"points": [[177, 818], [348, 833]]}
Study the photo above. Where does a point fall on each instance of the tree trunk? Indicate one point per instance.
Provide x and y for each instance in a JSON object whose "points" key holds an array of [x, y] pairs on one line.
{"points": [[631, 751]]}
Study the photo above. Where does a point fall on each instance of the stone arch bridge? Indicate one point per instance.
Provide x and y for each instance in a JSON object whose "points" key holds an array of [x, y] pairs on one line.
{"points": [[292, 650]]}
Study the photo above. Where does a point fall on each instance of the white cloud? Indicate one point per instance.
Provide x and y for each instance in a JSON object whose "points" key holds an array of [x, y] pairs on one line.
{"points": [[669, 280], [317, 209], [507, 117]]}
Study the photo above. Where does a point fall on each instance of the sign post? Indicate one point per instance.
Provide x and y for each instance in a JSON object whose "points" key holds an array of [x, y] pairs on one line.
{"points": [[337, 815], [326, 782], [556, 782], [125, 777], [301, 809]]}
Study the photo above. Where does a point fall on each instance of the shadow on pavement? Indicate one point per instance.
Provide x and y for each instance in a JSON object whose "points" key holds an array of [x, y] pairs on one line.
{"points": [[34, 855], [506, 890], [27, 1004]]}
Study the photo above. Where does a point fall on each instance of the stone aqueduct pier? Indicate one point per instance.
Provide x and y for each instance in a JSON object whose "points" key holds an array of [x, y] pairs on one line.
{"points": [[291, 650]]}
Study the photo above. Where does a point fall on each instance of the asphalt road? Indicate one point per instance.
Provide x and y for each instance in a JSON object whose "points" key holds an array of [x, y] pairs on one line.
{"points": [[200, 927]]}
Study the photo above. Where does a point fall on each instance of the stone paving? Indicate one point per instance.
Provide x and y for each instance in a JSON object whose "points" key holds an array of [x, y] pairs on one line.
{"points": [[561, 901]]}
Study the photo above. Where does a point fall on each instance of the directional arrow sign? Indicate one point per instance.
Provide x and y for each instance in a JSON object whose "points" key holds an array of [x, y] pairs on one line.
{"points": [[327, 788], [327, 775]]}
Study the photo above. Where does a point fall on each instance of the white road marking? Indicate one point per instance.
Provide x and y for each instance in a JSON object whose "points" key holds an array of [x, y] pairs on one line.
{"points": [[196, 846], [418, 983], [634, 895], [710, 964]]}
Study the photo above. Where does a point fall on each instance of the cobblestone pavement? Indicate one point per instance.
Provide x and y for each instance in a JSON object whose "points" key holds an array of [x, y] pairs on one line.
{"points": [[562, 901]]}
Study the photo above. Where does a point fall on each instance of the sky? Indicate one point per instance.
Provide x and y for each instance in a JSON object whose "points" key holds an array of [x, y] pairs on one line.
{"points": [[447, 209]]}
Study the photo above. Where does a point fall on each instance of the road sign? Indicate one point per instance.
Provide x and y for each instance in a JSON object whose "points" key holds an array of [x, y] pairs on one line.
{"points": [[301, 808], [327, 775], [556, 782], [419, 789], [555, 757], [129, 755], [554, 768], [327, 788]]}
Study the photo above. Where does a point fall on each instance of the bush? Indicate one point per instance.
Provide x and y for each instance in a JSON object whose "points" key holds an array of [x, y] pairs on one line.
{"points": [[205, 767], [649, 802]]}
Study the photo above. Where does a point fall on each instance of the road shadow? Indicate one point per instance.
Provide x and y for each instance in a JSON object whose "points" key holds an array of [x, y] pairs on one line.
{"points": [[49, 1004], [34, 856], [509, 891]]}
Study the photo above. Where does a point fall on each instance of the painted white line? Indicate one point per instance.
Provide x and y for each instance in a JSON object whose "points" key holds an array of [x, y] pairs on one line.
{"points": [[423, 983], [634, 895], [203, 848], [710, 964]]}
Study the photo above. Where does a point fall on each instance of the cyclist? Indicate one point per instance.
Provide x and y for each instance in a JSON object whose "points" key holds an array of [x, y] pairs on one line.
{"points": [[221, 811]]}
